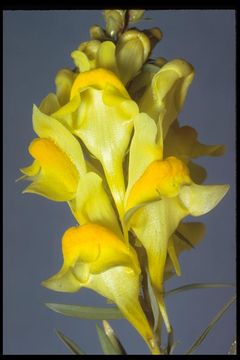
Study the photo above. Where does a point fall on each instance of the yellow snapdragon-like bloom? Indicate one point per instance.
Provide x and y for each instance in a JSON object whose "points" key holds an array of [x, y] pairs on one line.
{"points": [[160, 194], [60, 173], [59, 160], [95, 258], [100, 112]]}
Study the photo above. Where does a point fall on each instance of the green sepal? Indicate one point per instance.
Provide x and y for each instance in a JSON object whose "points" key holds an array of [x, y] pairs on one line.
{"points": [[106, 344], [69, 343], [113, 337]]}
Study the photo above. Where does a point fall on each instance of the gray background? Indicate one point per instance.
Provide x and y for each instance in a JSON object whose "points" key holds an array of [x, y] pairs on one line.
{"points": [[36, 45]]}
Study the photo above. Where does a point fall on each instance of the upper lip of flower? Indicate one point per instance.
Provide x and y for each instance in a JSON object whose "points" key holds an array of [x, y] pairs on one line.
{"points": [[98, 78]]}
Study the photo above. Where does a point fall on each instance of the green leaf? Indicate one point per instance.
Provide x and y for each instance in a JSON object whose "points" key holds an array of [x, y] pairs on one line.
{"points": [[106, 344], [69, 343], [210, 326], [113, 338], [198, 286], [86, 312], [233, 348]]}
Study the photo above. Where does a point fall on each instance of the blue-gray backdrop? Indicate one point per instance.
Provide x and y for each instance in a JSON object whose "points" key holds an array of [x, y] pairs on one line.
{"points": [[36, 45]]}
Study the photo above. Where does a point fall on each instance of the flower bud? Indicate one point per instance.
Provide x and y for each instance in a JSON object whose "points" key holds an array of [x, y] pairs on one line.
{"points": [[132, 52], [160, 61], [97, 33], [135, 15], [90, 48], [154, 35], [85, 56], [114, 21]]}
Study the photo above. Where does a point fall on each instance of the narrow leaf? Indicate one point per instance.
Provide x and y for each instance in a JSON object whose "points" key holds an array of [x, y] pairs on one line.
{"points": [[113, 338], [198, 286], [86, 312], [105, 342], [200, 339], [69, 343]]}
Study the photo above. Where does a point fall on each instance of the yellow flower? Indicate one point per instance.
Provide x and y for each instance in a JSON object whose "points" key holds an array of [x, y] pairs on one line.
{"points": [[59, 172], [95, 258], [136, 173], [160, 194], [183, 143], [160, 91], [100, 112], [58, 160]]}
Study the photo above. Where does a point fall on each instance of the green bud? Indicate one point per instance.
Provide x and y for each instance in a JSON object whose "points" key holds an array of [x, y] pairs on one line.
{"points": [[97, 33], [132, 51], [114, 21], [154, 35], [160, 61], [90, 48], [135, 15]]}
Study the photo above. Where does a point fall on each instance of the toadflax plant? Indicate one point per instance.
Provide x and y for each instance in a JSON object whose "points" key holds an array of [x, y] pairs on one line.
{"points": [[110, 145]]}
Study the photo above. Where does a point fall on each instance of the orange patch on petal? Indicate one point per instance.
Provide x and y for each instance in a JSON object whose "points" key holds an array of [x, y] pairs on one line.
{"points": [[55, 162], [161, 178], [99, 78]]}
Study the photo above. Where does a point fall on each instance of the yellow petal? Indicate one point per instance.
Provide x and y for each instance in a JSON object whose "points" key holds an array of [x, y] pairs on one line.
{"points": [[55, 163], [98, 248], [96, 258], [51, 187], [97, 245], [164, 99], [153, 225], [55, 176], [90, 48], [140, 83], [49, 128], [162, 178], [98, 78], [65, 281], [107, 131], [200, 199], [186, 236], [65, 114], [133, 48], [183, 143], [121, 285], [173, 256], [80, 60], [92, 204], [63, 81], [31, 170], [49, 104], [106, 57], [144, 149]]}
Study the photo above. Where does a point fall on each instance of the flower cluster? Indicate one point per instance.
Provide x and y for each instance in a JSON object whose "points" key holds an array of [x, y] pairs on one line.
{"points": [[110, 145]]}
